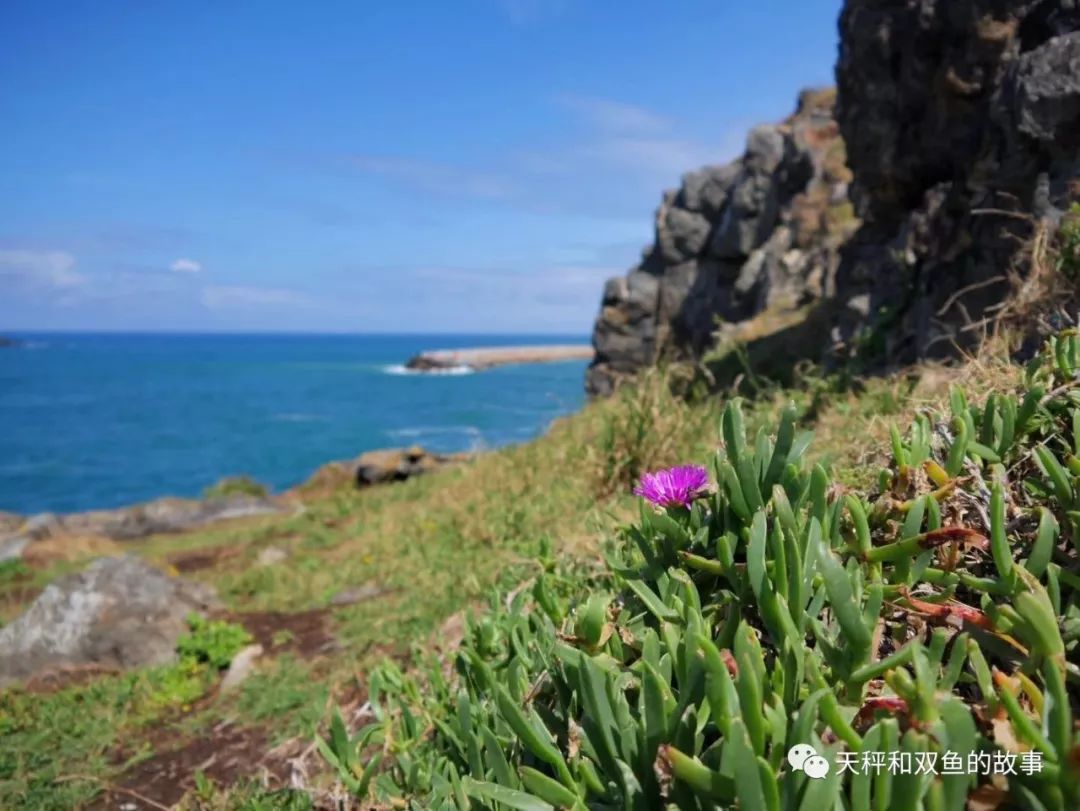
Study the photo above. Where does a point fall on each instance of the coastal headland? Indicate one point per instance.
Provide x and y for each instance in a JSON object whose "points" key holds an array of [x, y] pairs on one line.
{"points": [[489, 357]]}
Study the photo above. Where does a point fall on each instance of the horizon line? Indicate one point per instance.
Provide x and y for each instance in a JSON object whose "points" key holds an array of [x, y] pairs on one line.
{"points": [[5, 332]]}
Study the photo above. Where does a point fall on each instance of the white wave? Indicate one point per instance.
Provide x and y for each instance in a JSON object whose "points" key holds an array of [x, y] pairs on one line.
{"points": [[423, 430], [400, 369], [298, 417]]}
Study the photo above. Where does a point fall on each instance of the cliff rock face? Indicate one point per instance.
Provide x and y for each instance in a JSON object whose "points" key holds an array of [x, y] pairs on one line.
{"points": [[962, 121], [761, 233]]}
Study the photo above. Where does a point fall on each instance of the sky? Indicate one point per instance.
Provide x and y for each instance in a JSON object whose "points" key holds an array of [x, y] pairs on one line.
{"points": [[361, 166]]}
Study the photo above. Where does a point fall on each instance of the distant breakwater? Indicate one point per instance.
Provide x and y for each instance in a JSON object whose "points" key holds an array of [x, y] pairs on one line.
{"points": [[490, 357]]}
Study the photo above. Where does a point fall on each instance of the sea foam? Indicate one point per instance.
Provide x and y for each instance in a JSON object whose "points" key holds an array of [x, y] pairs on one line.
{"points": [[401, 369]]}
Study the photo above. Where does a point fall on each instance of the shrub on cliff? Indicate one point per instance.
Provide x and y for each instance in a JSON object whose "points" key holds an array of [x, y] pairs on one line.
{"points": [[236, 486], [920, 640], [1068, 252], [212, 642], [644, 426]]}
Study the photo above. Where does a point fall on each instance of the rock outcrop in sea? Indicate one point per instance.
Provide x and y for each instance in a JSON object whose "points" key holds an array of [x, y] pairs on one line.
{"points": [[897, 222], [379, 467]]}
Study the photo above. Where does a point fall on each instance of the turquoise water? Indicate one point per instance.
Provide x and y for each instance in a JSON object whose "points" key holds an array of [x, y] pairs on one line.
{"points": [[93, 421]]}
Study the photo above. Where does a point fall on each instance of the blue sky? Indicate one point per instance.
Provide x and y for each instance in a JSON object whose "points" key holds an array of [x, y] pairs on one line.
{"points": [[446, 165]]}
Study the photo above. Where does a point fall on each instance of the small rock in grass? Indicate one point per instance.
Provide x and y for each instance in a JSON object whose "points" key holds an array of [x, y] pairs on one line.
{"points": [[11, 548], [271, 555], [241, 666]]}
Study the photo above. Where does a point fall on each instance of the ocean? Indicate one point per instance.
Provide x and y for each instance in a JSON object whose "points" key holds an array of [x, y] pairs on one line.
{"points": [[93, 421]]}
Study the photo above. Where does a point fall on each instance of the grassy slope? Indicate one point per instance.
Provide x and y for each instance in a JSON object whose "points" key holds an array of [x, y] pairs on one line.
{"points": [[433, 546]]}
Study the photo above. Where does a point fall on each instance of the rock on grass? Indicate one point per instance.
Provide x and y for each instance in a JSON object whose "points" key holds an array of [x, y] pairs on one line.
{"points": [[119, 612]]}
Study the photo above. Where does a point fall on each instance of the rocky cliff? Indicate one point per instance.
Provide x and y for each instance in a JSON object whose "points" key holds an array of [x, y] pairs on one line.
{"points": [[962, 120], [911, 204], [759, 234]]}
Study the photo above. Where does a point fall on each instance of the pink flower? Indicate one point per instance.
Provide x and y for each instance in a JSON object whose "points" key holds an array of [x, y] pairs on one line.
{"points": [[678, 486]]}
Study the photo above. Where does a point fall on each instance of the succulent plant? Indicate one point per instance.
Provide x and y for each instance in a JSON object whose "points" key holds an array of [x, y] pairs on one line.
{"points": [[921, 638]]}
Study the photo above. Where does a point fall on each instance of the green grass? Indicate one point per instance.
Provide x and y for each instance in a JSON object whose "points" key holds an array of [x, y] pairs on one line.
{"points": [[436, 545], [1068, 249], [51, 743], [13, 570], [288, 696]]}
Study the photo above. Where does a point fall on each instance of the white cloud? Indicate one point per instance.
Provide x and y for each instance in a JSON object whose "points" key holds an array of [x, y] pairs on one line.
{"points": [[434, 176], [668, 157], [615, 116], [630, 140], [609, 153], [558, 284], [553, 298], [185, 266], [224, 297], [53, 270]]}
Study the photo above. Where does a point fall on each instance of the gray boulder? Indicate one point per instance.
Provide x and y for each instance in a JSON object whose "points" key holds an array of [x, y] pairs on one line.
{"points": [[16, 534], [766, 148], [165, 515], [9, 522], [42, 525], [774, 167], [706, 190], [681, 234], [378, 467], [399, 464], [634, 294], [625, 331], [12, 546], [748, 219], [1048, 92], [119, 612]]}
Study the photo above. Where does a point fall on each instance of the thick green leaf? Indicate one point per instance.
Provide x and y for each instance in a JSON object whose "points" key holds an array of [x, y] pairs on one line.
{"points": [[842, 601], [518, 800], [652, 602], [547, 789]]}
